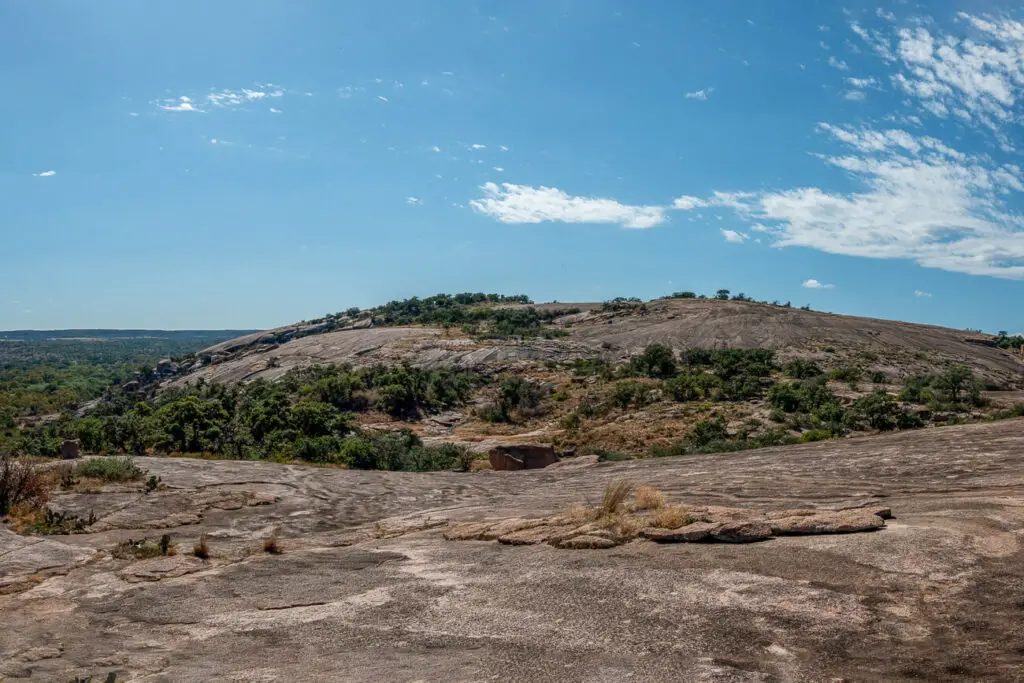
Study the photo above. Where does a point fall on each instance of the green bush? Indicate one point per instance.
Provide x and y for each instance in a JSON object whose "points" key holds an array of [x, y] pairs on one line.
{"points": [[879, 377], [657, 361], [845, 373], [878, 409], [113, 469], [518, 398], [798, 368], [815, 435], [628, 393]]}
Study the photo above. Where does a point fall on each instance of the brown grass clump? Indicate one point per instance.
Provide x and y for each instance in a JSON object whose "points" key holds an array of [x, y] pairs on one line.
{"points": [[671, 517], [649, 498], [579, 514], [272, 544], [21, 483], [615, 494], [202, 547]]}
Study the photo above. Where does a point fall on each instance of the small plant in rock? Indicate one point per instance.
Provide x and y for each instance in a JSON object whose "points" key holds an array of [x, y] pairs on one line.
{"points": [[144, 548], [272, 543], [672, 517], [202, 547], [649, 498], [152, 484], [615, 494]]}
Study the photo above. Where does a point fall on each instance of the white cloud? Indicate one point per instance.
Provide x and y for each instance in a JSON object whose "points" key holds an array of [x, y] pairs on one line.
{"points": [[979, 75], [275, 111], [382, 98], [415, 201], [814, 284], [220, 99], [503, 148], [925, 295], [870, 82], [435, 148], [510, 203], [133, 113], [499, 169], [478, 147], [882, 14], [699, 94], [838, 64], [686, 203], [45, 174], [918, 199], [183, 103], [854, 95], [733, 236]]}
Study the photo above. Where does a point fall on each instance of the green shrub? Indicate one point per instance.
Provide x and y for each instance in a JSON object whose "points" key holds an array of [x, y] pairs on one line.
{"points": [[611, 456], [815, 435], [657, 361], [845, 373], [630, 393], [112, 469], [879, 377], [878, 409], [798, 368], [909, 420]]}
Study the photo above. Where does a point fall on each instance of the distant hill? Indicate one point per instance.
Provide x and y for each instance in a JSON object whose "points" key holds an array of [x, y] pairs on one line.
{"points": [[213, 336]]}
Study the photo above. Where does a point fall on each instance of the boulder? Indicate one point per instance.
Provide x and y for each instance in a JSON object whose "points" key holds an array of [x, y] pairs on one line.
{"points": [[836, 522], [586, 542], [691, 533], [521, 457], [69, 449], [743, 532]]}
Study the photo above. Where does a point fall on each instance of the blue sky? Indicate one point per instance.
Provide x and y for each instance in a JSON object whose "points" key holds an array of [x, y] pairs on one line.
{"points": [[239, 164]]}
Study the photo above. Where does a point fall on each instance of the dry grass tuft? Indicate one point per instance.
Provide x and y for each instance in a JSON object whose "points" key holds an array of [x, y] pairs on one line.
{"points": [[615, 494], [272, 544], [672, 517], [202, 547], [649, 498], [579, 514]]}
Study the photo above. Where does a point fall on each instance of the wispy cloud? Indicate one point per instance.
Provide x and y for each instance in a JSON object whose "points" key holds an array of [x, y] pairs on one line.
{"points": [[685, 203], [382, 98], [45, 174], [699, 94], [733, 236], [855, 95], [510, 203], [219, 99], [477, 147], [815, 284], [869, 82], [415, 201], [838, 63], [923, 295], [183, 103], [275, 111]]}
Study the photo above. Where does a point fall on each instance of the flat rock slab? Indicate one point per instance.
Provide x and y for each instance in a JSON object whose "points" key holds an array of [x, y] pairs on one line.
{"points": [[691, 533], [25, 559], [839, 522]]}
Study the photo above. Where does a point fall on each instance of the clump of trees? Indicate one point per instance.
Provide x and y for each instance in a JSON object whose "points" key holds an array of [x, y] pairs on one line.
{"points": [[306, 415]]}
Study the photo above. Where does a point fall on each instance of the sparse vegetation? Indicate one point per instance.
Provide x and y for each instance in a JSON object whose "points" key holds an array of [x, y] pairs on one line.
{"points": [[20, 484], [615, 495], [110, 469], [202, 547], [144, 548], [648, 498], [272, 543]]}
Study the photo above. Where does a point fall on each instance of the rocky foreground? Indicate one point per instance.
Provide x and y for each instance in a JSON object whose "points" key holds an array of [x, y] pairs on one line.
{"points": [[326, 574]]}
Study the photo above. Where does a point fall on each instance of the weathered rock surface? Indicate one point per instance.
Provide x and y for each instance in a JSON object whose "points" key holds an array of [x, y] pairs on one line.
{"points": [[840, 522], [937, 595], [691, 533]]}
